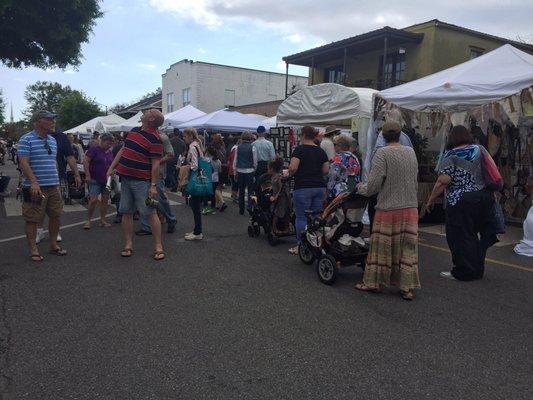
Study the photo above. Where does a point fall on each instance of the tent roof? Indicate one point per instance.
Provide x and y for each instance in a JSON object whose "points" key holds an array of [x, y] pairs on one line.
{"points": [[128, 124], [485, 79], [89, 126], [182, 115], [224, 120], [326, 102]]}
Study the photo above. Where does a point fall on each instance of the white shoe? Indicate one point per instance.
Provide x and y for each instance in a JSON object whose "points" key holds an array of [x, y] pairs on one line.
{"points": [[59, 238], [192, 236], [40, 235], [447, 275]]}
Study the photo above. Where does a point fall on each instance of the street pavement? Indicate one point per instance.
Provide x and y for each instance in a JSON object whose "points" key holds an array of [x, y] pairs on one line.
{"points": [[233, 318]]}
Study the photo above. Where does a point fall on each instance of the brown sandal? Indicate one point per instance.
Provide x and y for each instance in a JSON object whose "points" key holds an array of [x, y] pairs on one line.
{"points": [[58, 252], [127, 252], [158, 254], [36, 257], [362, 287], [407, 295]]}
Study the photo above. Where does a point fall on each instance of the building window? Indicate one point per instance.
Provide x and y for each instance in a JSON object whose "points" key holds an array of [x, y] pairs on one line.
{"points": [[229, 98], [334, 75], [170, 102], [475, 52], [186, 94], [394, 70]]}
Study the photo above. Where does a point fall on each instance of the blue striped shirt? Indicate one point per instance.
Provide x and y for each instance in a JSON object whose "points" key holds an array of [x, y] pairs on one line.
{"points": [[43, 165]]}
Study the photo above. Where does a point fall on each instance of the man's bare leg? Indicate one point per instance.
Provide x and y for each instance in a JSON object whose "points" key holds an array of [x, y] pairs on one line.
{"points": [[31, 234], [53, 231], [127, 230], [155, 224]]}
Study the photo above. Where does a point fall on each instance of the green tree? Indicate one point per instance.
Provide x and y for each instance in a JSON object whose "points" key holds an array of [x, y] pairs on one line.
{"points": [[76, 108], [2, 107], [45, 34], [44, 96], [118, 107]]}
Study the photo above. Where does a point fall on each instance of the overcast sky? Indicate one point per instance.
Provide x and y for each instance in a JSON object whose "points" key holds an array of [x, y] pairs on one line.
{"points": [[137, 40]]}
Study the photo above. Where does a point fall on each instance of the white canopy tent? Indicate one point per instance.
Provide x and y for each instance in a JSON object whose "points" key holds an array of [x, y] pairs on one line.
{"points": [[100, 124], [491, 77], [325, 103], [128, 124], [225, 121], [182, 115]]}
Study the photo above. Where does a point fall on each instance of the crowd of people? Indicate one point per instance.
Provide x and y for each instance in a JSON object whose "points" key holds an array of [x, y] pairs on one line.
{"points": [[146, 163]]}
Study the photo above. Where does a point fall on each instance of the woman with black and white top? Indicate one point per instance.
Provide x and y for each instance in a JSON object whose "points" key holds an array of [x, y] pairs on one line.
{"points": [[196, 150]]}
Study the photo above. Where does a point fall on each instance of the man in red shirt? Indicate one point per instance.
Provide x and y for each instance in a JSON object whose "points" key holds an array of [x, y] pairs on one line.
{"points": [[137, 163]]}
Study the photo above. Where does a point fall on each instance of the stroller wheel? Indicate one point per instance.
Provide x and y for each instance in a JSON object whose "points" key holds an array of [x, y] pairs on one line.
{"points": [[257, 230], [272, 240], [305, 252], [326, 268], [250, 231]]}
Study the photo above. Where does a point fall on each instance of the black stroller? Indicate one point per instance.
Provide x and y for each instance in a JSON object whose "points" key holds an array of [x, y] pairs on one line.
{"points": [[333, 239], [263, 215]]}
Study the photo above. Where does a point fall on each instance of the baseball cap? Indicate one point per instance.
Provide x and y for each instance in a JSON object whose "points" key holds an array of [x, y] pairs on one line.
{"points": [[261, 129], [42, 114]]}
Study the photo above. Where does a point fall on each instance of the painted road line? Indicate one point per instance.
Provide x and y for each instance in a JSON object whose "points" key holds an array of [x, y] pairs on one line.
{"points": [[62, 227], [489, 260]]}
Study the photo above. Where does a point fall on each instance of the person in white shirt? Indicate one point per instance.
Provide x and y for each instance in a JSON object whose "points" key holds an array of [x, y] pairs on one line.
{"points": [[327, 141]]}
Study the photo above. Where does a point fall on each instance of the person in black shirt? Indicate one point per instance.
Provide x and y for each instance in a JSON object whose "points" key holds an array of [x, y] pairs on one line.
{"points": [[309, 164]]}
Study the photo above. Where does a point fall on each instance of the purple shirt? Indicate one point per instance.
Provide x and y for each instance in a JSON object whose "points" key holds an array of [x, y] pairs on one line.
{"points": [[100, 162]]}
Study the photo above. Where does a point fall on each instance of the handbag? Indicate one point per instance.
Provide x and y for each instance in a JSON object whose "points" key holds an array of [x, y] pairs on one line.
{"points": [[183, 176], [491, 175], [201, 180]]}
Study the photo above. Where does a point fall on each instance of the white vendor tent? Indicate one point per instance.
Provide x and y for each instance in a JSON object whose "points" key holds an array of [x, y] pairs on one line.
{"points": [[182, 115], [323, 103], [224, 120], [491, 77], [103, 123], [272, 121], [128, 124]]}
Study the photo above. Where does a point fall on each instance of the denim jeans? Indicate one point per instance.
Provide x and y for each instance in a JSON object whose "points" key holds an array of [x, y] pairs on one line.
{"points": [[164, 207], [307, 199], [245, 181], [133, 194], [195, 202]]}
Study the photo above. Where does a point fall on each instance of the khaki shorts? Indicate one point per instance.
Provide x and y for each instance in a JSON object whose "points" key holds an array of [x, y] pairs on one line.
{"points": [[52, 205]]}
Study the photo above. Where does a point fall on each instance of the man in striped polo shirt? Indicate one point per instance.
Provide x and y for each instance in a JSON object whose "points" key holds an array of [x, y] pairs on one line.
{"points": [[37, 151], [137, 163]]}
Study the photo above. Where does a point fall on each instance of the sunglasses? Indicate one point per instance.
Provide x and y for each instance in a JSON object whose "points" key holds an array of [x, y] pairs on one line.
{"points": [[47, 147]]}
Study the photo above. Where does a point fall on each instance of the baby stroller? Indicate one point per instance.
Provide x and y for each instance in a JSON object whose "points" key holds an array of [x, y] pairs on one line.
{"points": [[333, 239], [276, 218], [69, 189]]}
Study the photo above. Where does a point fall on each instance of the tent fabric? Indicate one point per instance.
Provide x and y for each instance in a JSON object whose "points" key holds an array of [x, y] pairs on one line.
{"points": [[224, 120], [128, 124], [325, 102], [103, 122], [491, 77], [182, 115]]}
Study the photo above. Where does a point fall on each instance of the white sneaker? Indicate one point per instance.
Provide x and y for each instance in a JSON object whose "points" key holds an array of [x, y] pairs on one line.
{"points": [[447, 275], [59, 238], [40, 235], [192, 236]]}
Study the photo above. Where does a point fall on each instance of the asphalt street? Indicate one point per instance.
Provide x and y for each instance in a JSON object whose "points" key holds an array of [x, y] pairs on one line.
{"points": [[233, 318]]}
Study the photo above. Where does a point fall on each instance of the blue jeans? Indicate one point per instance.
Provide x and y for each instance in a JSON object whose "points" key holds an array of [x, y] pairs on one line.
{"points": [[164, 207], [245, 181], [133, 194], [307, 199]]}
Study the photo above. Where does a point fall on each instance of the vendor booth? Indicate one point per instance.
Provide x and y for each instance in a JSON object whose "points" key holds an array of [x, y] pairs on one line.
{"points": [[350, 109], [493, 96], [128, 124], [182, 115], [103, 123], [223, 120]]}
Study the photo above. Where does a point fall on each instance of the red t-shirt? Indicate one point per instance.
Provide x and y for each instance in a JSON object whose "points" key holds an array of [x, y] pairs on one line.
{"points": [[140, 148]]}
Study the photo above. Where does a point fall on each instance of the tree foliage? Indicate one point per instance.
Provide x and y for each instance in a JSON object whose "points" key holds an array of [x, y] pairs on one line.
{"points": [[44, 95], [76, 108], [115, 108], [45, 34], [2, 107]]}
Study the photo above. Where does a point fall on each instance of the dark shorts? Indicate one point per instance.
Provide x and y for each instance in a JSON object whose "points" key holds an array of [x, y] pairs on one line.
{"points": [[51, 205]]}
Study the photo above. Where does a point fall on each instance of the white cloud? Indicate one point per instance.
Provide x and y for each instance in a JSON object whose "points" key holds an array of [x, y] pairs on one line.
{"points": [[104, 64], [69, 71], [198, 10], [148, 67], [281, 66], [202, 50], [295, 38]]}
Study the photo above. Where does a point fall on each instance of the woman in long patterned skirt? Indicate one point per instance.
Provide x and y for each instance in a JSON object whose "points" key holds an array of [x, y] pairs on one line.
{"points": [[393, 257]]}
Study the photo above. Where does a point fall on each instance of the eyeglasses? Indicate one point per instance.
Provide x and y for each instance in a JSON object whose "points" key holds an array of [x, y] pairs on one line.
{"points": [[47, 147]]}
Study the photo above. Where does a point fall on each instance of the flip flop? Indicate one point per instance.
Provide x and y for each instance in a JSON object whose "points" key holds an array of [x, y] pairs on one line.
{"points": [[293, 251], [362, 287], [87, 226], [58, 252], [158, 254], [407, 295], [105, 225], [36, 257], [127, 252]]}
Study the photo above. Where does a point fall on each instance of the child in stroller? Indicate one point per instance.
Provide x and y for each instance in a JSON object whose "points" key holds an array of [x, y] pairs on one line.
{"points": [[333, 239], [271, 207]]}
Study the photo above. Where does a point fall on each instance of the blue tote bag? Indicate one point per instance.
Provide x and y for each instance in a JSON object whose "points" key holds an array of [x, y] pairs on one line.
{"points": [[200, 181]]}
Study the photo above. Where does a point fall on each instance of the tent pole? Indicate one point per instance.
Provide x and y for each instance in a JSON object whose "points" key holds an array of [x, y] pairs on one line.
{"points": [[344, 68], [286, 79], [312, 71], [385, 40]]}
